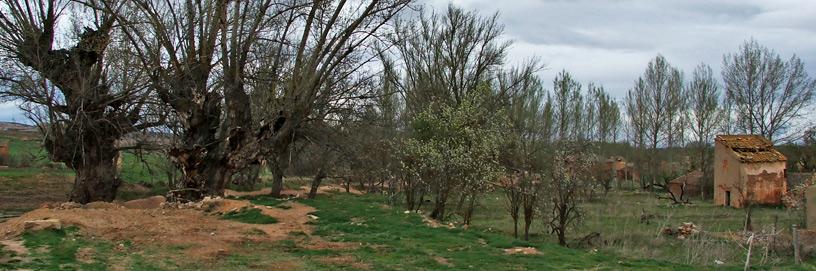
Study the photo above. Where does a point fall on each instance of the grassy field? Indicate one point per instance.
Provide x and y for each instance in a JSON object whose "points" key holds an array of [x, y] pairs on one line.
{"points": [[387, 238], [617, 218], [394, 240]]}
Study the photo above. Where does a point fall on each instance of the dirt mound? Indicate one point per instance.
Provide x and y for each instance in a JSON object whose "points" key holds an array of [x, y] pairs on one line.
{"points": [[145, 203], [205, 235]]}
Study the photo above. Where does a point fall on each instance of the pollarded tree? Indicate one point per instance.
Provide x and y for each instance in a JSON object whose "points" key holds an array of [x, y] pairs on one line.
{"points": [[766, 92], [89, 93], [208, 57]]}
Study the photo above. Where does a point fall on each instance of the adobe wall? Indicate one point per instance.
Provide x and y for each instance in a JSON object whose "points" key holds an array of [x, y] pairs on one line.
{"points": [[766, 182], [727, 176]]}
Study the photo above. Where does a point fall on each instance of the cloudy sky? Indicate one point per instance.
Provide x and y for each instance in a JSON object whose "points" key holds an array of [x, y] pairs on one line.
{"points": [[611, 41]]}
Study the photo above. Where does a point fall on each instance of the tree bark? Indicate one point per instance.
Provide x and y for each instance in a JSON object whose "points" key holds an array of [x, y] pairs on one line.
{"points": [[277, 179], [528, 220], [321, 174], [96, 179]]}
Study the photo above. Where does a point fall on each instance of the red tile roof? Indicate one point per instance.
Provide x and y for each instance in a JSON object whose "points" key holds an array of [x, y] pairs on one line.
{"points": [[752, 148]]}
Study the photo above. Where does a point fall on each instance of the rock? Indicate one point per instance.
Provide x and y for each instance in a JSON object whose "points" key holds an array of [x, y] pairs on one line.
{"points": [[69, 205], [44, 224], [153, 202]]}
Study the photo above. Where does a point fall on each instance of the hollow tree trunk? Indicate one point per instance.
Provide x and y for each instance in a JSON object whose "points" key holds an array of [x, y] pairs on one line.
{"points": [[96, 178]]}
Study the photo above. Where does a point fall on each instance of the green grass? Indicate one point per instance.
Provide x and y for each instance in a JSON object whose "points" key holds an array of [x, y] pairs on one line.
{"points": [[250, 216], [616, 217], [392, 240], [150, 168], [57, 249], [385, 238]]}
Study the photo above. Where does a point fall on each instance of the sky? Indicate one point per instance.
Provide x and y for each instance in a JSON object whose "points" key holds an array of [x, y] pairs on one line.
{"points": [[610, 42]]}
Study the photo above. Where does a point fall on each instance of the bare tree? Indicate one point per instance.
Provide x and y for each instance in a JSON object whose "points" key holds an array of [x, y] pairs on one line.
{"points": [[210, 57], [86, 96], [767, 93], [655, 106], [467, 51], [607, 110], [662, 87], [705, 114], [636, 113]]}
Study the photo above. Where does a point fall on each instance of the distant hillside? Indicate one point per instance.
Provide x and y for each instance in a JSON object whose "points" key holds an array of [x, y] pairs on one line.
{"points": [[13, 126]]}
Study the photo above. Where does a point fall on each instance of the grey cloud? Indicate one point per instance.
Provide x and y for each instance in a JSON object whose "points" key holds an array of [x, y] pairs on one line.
{"points": [[610, 42]]}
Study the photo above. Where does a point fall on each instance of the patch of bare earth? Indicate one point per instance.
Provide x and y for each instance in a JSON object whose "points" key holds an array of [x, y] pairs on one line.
{"points": [[15, 246], [28, 193], [522, 251], [85, 255], [442, 261], [203, 234]]}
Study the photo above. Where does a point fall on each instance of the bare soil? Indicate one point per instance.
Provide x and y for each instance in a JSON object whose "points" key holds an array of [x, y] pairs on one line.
{"points": [[203, 235], [29, 193], [522, 250]]}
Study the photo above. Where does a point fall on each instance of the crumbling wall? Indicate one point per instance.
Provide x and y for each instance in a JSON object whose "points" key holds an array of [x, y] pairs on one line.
{"points": [[766, 182]]}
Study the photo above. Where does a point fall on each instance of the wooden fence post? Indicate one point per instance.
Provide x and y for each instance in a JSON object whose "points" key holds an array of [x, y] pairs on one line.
{"points": [[795, 244]]}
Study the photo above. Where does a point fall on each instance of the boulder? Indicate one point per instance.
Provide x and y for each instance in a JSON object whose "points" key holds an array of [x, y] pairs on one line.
{"points": [[44, 224], [153, 202]]}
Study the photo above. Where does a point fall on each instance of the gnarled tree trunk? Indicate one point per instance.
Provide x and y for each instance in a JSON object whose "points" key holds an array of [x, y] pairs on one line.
{"points": [[97, 179]]}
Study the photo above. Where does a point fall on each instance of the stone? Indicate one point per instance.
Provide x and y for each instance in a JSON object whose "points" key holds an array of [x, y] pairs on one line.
{"points": [[70, 205], [44, 224]]}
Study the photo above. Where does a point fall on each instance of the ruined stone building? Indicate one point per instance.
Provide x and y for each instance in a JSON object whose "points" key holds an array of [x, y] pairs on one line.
{"points": [[747, 169], [688, 185], [621, 170]]}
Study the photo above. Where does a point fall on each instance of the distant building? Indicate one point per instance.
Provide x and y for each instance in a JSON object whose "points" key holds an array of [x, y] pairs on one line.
{"points": [[621, 170], [688, 185], [747, 170]]}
